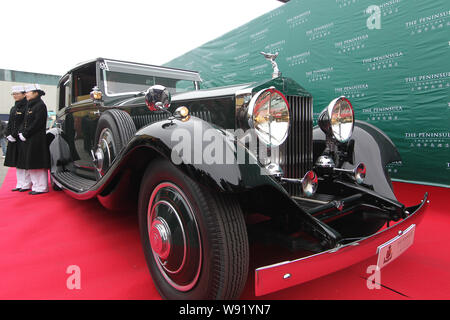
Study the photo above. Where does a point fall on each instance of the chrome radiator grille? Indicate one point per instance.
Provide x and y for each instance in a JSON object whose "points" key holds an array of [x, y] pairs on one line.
{"points": [[296, 153]]}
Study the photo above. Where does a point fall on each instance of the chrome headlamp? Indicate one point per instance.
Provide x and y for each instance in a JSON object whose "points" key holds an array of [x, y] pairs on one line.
{"points": [[338, 119], [268, 114]]}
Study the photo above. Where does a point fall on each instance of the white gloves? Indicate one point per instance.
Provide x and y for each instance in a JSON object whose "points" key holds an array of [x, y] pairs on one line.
{"points": [[22, 137], [11, 138]]}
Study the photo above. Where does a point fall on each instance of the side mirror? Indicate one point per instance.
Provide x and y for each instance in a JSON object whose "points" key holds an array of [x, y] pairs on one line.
{"points": [[157, 97]]}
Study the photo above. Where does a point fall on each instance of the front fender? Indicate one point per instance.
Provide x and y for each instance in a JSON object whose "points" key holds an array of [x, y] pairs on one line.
{"points": [[207, 154], [371, 147], [192, 147], [189, 145]]}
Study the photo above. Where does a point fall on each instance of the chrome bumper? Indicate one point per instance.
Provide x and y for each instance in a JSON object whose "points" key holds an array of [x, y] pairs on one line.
{"points": [[286, 274]]}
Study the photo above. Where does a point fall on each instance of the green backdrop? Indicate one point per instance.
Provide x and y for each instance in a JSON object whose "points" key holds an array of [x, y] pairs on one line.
{"points": [[390, 58]]}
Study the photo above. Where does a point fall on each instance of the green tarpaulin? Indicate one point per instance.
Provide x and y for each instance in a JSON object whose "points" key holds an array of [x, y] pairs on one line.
{"points": [[390, 58]]}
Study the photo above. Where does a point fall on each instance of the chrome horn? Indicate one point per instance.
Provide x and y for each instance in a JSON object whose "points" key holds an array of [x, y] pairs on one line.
{"points": [[359, 172], [309, 183]]}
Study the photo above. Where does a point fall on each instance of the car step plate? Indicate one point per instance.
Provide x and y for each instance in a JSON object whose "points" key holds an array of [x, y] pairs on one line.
{"points": [[390, 250]]}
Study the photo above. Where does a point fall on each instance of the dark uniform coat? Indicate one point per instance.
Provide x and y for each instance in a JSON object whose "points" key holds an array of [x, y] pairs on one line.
{"points": [[14, 123], [33, 153], [2, 129]]}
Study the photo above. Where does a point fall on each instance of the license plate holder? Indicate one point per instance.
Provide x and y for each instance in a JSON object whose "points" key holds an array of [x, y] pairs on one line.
{"points": [[392, 249]]}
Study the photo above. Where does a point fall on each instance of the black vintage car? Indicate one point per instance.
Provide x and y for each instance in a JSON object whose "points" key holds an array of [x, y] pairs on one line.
{"points": [[209, 170]]}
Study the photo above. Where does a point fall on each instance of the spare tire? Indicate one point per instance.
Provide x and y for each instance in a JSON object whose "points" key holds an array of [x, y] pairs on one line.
{"points": [[115, 129]]}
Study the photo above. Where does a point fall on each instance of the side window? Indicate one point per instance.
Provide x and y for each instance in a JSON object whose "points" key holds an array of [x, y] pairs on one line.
{"points": [[83, 81]]}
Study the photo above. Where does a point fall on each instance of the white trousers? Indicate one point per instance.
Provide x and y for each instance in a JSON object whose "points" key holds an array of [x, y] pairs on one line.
{"points": [[39, 180], [23, 179]]}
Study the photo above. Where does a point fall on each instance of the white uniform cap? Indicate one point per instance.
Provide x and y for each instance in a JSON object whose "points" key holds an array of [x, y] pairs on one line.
{"points": [[17, 89], [33, 87]]}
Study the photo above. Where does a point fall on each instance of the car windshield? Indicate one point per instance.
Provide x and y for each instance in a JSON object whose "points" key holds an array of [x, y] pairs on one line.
{"points": [[121, 78]]}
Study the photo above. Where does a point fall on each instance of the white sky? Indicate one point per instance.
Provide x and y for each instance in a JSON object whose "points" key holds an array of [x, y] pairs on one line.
{"points": [[49, 36]]}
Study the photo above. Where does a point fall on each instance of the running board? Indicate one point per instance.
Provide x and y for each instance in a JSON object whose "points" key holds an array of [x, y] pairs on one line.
{"points": [[73, 182]]}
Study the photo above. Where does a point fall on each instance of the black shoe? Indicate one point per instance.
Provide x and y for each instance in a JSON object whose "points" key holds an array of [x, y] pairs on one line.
{"points": [[23, 190], [35, 192], [16, 189]]}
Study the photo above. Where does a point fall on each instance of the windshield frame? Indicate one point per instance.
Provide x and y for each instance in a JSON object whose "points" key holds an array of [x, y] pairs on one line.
{"points": [[143, 69]]}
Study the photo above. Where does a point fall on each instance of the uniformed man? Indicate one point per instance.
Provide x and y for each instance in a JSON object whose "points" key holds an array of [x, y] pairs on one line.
{"points": [[16, 116], [34, 156]]}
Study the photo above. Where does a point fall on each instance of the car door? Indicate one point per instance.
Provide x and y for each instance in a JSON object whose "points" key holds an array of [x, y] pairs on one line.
{"points": [[64, 118], [85, 114]]}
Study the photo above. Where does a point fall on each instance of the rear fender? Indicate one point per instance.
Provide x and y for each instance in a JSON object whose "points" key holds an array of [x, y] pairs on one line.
{"points": [[60, 156]]}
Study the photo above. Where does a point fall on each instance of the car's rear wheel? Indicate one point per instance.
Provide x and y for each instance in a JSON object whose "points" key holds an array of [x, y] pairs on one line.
{"points": [[195, 241]]}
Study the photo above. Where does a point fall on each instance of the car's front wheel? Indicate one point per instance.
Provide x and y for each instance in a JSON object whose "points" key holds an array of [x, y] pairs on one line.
{"points": [[195, 241]]}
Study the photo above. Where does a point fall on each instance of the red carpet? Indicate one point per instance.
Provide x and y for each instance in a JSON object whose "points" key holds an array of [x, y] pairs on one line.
{"points": [[42, 236]]}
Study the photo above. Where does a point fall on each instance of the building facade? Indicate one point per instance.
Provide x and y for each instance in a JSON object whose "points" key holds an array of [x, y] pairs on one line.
{"points": [[9, 78]]}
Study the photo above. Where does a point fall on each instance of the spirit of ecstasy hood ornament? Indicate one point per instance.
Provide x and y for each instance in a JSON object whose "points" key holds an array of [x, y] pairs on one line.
{"points": [[271, 57]]}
